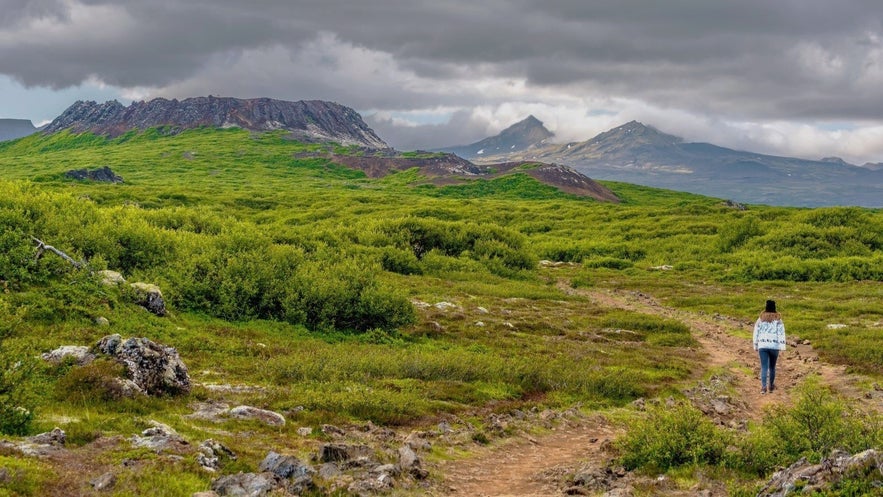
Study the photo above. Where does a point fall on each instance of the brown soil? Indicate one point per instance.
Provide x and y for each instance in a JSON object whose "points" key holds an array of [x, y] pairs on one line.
{"points": [[533, 467]]}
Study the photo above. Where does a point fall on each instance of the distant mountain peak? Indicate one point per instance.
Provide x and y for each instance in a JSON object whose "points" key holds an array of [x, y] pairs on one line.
{"points": [[528, 132], [11, 129], [314, 120]]}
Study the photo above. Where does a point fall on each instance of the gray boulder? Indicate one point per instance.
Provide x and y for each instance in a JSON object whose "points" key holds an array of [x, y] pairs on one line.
{"points": [[80, 354], [811, 478], [110, 278], [351, 455], [264, 416], [155, 369], [246, 484], [296, 475], [210, 453]]}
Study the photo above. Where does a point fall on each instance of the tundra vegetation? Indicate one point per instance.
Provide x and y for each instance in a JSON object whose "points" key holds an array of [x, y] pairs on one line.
{"points": [[285, 271]]}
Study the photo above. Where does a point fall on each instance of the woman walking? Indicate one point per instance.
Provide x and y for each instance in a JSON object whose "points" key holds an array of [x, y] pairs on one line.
{"points": [[769, 339]]}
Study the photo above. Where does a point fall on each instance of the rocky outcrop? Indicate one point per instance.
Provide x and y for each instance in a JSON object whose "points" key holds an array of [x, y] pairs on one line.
{"points": [[812, 478], [100, 175], [155, 369], [79, 354], [312, 120]]}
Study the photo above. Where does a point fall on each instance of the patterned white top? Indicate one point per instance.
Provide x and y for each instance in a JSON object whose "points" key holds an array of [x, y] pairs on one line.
{"points": [[769, 335]]}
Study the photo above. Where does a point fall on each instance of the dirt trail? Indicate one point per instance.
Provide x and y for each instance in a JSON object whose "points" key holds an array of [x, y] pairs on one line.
{"points": [[528, 467]]}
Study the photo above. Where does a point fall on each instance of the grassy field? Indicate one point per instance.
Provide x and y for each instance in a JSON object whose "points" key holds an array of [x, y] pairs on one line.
{"points": [[374, 300]]}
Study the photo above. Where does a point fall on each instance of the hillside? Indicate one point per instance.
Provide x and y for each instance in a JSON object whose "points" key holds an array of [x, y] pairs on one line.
{"points": [[636, 153], [356, 322], [10, 129]]}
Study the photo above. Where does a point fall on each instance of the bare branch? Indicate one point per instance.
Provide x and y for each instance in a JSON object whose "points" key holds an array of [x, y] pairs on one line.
{"points": [[42, 247]]}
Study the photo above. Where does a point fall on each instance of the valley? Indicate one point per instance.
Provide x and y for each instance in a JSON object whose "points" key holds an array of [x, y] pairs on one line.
{"points": [[413, 323]]}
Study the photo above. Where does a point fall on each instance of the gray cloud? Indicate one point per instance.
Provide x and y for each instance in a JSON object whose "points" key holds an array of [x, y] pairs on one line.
{"points": [[812, 60]]}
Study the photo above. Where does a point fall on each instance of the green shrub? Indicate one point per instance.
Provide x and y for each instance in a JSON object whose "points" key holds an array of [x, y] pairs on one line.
{"points": [[98, 380], [671, 437], [817, 423], [16, 372]]}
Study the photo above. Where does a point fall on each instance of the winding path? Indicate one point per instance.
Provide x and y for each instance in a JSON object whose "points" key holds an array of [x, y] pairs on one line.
{"points": [[532, 467]]}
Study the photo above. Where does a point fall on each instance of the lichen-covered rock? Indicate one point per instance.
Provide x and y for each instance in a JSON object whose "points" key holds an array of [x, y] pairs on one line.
{"points": [[820, 477], [110, 278], [264, 416], [159, 438], [150, 297], [352, 455], [296, 476], [246, 484], [80, 354], [155, 369], [210, 453]]}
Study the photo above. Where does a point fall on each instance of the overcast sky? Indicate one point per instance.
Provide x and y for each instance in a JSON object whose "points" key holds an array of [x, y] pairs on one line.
{"points": [[790, 77]]}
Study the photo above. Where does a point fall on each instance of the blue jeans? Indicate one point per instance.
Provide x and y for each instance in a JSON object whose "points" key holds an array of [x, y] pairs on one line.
{"points": [[768, 359]]}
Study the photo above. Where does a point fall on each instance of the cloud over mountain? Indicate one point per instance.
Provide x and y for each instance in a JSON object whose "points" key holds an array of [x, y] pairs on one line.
{"points": [[753, 68]]}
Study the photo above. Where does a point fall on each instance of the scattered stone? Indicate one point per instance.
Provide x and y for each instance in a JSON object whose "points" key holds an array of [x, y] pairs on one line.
{"points": [[80, 354], [305, 431], [56, 437], [664, 267], [480, 324], [101, 175], [149, 297], [444, 428], [352, 455], [104, 482], [269, 418], [416, 441], [226, 388], [286, 467], [159, 438], [640, 404], [245, 484], [735, 205], [509, 325], [372, 485], [206, 494], [155, 369], [209, 455], [435, 327], [102, 321], [409, 462], [110, 278], [209, 411], [836, 326], [332, 430], [329, 470], [445, 306], [817, 478]]}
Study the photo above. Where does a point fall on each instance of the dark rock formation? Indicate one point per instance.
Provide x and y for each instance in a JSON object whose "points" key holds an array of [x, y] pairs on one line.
{"points": [[155, 369], [312, 120], [101, 175], [149, 297]]}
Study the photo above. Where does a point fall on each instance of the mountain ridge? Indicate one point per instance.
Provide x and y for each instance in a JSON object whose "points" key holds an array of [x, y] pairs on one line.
{"points": [[312, 120], [641, 154]]}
